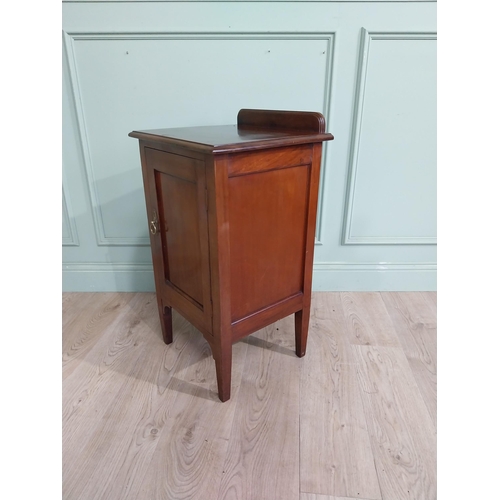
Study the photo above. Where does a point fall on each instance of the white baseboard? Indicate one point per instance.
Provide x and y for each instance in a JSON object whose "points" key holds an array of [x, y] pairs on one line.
{"points": [[108, 278], [327, 276], [368, 277]]}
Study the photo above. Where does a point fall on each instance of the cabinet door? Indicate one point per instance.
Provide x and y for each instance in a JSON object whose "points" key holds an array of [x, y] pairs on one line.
{"points": [[178, 214]]}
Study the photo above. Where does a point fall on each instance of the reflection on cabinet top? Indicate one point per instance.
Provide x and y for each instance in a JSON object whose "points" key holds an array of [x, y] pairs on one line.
{"points": [[255, 129]]}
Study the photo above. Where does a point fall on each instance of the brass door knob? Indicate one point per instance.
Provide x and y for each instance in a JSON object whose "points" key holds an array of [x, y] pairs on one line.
{"points": [[153, 225]]}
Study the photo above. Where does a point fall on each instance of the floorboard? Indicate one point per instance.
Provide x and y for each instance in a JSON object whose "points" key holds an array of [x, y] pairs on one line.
{"points": [[263, 453], [366, 319], [401, 430], [335, 450], [316, 496], [415, 321]]}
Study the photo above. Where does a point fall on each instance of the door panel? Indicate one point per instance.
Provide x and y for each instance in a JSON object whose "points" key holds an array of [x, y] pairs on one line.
{"points": [[180, 234]]}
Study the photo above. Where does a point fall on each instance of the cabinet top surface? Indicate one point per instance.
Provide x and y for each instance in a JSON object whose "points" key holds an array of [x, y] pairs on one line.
{"points": [[255, 130]]}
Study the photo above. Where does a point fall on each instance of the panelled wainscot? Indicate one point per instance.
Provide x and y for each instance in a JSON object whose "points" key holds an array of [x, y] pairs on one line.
{"points": [[232, 218]]}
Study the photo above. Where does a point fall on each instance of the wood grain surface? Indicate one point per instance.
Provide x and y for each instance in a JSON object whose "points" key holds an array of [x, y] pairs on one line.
{"points": [[401, 430], [415, 321], [263, 453], [335, 452], [354, 418], [315, 496], [367, 321]]}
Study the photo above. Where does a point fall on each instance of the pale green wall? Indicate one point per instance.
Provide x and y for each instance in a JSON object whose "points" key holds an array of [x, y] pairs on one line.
{"points": [[369, 67]]}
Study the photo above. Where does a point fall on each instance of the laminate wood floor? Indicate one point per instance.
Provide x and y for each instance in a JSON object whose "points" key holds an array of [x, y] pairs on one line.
{"points": [[354, 419]]}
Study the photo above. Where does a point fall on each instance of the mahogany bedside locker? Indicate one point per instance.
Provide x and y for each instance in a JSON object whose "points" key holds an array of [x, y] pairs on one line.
{"points": [[232, 218]]}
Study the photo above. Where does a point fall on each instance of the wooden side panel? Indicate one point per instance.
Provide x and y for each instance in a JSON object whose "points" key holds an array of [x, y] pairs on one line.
{"points": [[267, 219]]}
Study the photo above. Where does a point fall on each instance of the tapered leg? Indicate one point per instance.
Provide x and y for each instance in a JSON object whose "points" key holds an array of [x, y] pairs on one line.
{"points": [[223, 359], [166, 324], [301, 330]]}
